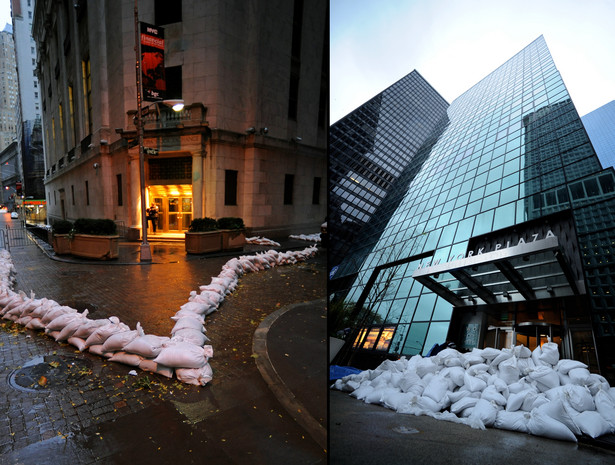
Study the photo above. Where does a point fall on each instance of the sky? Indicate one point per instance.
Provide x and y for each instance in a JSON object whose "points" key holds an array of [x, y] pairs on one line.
{"points": [[453, 44], [5, 13]]}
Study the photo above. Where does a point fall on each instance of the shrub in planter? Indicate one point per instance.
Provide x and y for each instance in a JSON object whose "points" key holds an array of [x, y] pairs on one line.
{"points": [[60, 236], [203, 236], [203, 225], [62, 227], [233, 235], [95, 227], [95, 238], [230, 222]]}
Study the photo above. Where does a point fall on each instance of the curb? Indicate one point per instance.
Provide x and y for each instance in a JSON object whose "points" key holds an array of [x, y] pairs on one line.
{"points": [[284, 395]]}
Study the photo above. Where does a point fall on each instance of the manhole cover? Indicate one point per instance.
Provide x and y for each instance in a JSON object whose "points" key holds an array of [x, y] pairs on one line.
{"points": [[48, 372]]}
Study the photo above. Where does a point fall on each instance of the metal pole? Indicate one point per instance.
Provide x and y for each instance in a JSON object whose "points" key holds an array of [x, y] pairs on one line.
{"points": [[146, 253]]}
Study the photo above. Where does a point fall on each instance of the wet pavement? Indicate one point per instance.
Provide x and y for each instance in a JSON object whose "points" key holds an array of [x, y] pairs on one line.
{"points": [[361, 433], [267, 402]]}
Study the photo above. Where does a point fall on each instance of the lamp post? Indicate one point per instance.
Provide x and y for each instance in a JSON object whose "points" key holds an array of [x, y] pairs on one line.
{"points": [[146, 253]]}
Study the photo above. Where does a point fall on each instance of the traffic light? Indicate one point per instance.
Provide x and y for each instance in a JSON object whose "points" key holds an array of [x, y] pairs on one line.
{"points": [[18, 188]]}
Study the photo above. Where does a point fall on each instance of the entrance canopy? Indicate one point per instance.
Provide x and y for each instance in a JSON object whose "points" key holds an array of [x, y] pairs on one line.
{"points": [[527, 271]]}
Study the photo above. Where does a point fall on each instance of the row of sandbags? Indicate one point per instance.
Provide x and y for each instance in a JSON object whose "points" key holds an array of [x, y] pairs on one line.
{"points": [[258, 240], [307, 237], [185, 353], [514, 389]]}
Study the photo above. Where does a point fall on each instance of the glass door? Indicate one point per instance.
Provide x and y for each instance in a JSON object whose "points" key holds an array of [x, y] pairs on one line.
{"points": [[180, 213]]}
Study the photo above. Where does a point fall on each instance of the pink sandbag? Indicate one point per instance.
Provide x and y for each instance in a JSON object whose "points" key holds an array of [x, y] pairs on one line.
{"points": [[197, 376], [183, 355]]}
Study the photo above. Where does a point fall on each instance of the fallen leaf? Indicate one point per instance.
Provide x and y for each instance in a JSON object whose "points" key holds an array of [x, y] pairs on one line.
{"points": [[42, 381], [54, 364]]}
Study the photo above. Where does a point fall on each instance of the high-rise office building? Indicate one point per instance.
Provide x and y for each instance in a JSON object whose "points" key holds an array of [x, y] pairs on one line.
{"points": [[503, 235], [9, 90], [600, 127], [369, 150]]}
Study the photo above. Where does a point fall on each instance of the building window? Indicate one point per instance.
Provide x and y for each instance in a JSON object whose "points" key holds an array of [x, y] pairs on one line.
{"points": [[87, 193], [72, 192], [173, 76], [87, 93], [289, 180], [230, 187], [167, 12], [295, 60], [120, 200], [316, 192], [71, 109]]}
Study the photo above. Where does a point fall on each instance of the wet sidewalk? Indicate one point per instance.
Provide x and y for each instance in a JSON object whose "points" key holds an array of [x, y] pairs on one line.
{"points": [[94, 411]]}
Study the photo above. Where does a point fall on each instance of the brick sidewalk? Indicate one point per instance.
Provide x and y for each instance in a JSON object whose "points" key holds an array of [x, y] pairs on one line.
{"points": [[235, 417]]}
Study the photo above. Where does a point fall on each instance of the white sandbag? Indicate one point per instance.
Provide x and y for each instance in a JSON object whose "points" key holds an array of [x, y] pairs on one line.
{"points": [[489, 354], [597, 382], [424, 366], [146, 345], [449, 357], [462, 404], [97, 349], [188, 314], [478, 368], [525, 365], [196, 376], [565, 365], [521, 351], [578, 397], [456, 374], [436, 388], [605, 406], [153, 367], [89, 326], [375, 396], [116, 342], [408, 381], [580, 376], [191, 336], [56, 312], [420, 404], [504, 354], [515, 400], [126, 358], [540, 424], [491, 394], [360, 392], [592, 424], [396, 399], [545, 377], [472, 358], [100, 335], [508, 371], [483, 414], [512, 421], [181, 355], [550, 353], [78, 342], [35, 323], [188, 323], [473, 384], [457, 395]]}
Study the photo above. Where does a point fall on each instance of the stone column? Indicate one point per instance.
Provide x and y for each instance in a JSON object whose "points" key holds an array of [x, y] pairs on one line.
{"points": [[197, 184], [135, 198]]}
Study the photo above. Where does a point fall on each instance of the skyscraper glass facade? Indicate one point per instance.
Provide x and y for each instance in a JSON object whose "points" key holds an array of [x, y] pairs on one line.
{"points": [[503, 234], [600, 126], [369, 150]]}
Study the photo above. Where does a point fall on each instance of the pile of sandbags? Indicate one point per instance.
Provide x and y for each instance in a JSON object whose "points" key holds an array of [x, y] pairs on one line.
{"points": [[306, 237], [514, 389], [262, 241], [185, 353]]}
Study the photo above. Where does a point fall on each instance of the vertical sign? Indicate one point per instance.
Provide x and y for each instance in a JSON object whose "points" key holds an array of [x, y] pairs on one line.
{"points": [[152, 63]]}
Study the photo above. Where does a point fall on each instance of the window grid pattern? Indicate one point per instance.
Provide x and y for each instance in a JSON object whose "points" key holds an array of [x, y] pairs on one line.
{"points": [[510, 152]]}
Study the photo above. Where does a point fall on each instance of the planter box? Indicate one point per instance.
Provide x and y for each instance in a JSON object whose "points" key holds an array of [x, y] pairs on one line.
{"points": [[233, 239], [203, 242], [98, 247], [61, 244]]}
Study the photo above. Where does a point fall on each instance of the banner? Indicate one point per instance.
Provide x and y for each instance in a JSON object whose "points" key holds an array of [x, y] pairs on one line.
{"points": [[152, 63]]}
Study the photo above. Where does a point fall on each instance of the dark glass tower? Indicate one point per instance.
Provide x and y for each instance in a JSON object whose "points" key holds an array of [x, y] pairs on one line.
{"points": [[503, 234], [368, 152], [600, 126]]}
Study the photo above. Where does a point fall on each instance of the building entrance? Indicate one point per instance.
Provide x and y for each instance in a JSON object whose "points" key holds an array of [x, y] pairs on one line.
{"points": [[174, 206]]}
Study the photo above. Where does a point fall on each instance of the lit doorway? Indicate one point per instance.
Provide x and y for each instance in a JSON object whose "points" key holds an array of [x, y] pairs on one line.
{"points": [[174, 202]]}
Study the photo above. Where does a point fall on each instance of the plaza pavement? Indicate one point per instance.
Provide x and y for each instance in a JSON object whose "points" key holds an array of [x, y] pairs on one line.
{"points": [[267, 402]]}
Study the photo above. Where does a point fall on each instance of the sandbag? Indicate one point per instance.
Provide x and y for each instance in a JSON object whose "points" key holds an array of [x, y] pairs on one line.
{"points": [[153, 367], [541, 424], [550, 353], [192, 336], [182, 355], [483, 414], [126, 358], [592, 424], [146, 345], [196, 376], [512, 421], [117, 341]]}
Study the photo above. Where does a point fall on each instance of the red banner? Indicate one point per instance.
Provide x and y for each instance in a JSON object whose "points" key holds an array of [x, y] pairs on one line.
{"points": [[152, 63]]}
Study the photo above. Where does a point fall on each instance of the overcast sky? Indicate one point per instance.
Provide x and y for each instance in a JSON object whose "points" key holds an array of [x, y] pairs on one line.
{"points": [[453, 44], [5, 13]]}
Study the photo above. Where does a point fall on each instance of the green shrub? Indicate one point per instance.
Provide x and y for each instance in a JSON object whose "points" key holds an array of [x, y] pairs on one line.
{"points": [[95, 227], [61, 227], [203, 224], [230, 223]]}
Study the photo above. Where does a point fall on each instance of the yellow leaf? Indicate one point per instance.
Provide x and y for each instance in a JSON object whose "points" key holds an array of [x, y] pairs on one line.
{"points": [[54, 364]]}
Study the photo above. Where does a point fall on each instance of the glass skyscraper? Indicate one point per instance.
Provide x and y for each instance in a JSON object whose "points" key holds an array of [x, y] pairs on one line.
{"points": [[502, 235], [600, 126], [368, 152]]}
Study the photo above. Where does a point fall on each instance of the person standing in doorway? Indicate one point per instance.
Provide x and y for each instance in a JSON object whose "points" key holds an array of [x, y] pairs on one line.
{"points": [[152, 215]]}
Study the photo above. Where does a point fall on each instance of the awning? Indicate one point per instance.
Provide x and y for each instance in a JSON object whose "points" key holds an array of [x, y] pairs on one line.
{"points": [[527, 271]]}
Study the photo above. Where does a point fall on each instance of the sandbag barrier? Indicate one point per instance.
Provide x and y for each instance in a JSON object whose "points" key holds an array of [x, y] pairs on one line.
{"points": [[514, 389], [185, 353]]}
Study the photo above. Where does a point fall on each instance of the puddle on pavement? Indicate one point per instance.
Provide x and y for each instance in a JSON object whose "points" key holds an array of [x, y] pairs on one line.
{"points": [[46, 372]]}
